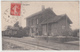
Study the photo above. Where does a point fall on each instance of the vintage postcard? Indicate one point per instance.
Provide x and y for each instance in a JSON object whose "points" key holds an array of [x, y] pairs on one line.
{"points": [[46, 25]]}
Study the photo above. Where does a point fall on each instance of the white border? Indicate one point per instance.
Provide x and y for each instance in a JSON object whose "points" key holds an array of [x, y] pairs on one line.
{"points": [[34, 50], [39, 0], [79, 24], [0, 29]]}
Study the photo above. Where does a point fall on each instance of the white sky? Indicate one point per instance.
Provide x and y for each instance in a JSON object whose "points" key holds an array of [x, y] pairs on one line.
{"points": [[69, 8]]}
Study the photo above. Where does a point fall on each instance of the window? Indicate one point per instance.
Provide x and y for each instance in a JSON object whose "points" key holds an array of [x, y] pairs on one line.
{"points": [[63, 27], [32, 21], [29, 22], [37, 21], [32, 30]]}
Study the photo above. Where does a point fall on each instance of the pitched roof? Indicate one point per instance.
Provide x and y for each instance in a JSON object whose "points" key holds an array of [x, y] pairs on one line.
{"points": [[41, 12], [49, 18], [55, 19]]}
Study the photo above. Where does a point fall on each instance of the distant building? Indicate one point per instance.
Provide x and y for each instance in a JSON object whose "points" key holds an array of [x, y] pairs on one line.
{"points": [[46, 22]]}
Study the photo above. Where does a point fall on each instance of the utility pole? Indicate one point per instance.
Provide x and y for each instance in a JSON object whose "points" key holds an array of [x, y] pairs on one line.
{"points": [[66, 27], [47, 32]]}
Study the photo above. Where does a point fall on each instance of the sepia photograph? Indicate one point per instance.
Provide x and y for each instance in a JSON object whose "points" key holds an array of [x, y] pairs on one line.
{"points": [[40, 25]]}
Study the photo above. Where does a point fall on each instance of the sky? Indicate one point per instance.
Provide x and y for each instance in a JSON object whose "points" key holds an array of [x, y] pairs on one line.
{"points": [[59, 8]]}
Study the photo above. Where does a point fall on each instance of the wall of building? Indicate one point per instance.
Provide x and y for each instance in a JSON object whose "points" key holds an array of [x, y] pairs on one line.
{"points": [[57, 28], [60, 27], [32, 21]]}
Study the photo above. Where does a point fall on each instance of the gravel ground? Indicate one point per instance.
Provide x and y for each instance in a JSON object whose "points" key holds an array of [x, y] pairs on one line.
{"points": [[9, 46], [31, 44]]}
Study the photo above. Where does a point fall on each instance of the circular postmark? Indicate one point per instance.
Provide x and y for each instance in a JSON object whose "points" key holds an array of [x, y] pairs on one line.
{"points": [[9, 18]]}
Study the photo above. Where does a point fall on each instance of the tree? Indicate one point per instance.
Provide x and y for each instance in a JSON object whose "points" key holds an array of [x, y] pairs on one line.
{"points": [[16, 24], [9, 27], [75, 32]]}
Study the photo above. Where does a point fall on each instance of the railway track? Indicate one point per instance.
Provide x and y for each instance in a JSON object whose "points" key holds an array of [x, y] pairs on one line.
{"points": [[29, 44], [39, 45]]}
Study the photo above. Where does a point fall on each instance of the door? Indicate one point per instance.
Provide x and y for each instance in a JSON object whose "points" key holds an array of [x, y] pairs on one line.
{"points": [[52, 30], [44, 30]]}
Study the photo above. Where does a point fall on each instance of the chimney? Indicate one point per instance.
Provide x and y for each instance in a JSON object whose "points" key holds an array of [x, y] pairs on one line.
{"points": [[43, 7]]}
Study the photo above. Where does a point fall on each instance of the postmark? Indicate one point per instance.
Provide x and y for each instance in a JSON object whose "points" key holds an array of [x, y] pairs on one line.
{"points": [[15, 9], [9, 18], [12, 16]]}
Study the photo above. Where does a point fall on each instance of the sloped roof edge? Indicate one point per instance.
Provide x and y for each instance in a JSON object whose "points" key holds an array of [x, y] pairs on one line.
{"points": [[55, 19], [40, 12]]}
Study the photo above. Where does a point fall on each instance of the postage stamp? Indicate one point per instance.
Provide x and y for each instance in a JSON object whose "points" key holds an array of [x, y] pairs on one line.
{"points": [[15, 9]]}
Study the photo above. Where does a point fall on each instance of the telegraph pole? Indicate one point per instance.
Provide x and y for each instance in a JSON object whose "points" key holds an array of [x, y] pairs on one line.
{"points": [[47, 32], [66, 26]]}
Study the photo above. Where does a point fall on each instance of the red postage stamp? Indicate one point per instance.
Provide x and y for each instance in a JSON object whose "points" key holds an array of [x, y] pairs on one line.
{"points": [[15, 9]]}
